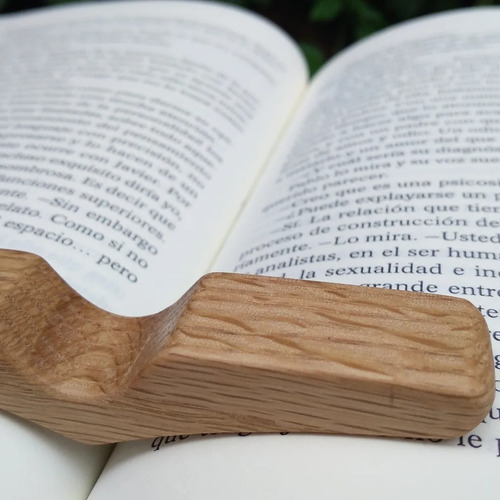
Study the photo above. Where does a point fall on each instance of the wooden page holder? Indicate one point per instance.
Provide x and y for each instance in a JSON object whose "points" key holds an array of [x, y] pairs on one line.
{"points": [[241, 353]]}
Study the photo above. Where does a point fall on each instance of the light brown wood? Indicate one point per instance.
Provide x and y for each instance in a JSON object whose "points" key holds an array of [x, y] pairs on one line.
{"points": [[241, 353]]}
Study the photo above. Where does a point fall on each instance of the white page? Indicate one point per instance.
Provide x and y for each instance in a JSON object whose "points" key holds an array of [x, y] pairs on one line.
{"points": [[36, 463], [105, 139], [130, 136], [334, 199]]}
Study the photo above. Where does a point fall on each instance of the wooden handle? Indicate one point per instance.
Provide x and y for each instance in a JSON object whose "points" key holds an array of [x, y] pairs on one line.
{"points": [[241, 353]]}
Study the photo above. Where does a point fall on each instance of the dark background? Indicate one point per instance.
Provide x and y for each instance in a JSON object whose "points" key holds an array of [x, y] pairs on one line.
{"points": [[321, 27]]}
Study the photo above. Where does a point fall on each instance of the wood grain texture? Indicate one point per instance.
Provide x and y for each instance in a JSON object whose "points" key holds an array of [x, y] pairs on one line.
{"points": [[241, 353]]}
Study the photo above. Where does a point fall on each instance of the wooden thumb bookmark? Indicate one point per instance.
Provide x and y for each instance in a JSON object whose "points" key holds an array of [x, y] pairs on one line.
{"points": [[241, 353]]}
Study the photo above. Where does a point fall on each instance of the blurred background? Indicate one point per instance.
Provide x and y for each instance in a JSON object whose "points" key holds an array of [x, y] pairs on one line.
{"points": [[320, 27]]}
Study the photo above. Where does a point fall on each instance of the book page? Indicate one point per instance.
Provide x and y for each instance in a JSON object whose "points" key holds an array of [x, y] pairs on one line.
{"points": [[389, 178], [129, 135], [36, 463]]}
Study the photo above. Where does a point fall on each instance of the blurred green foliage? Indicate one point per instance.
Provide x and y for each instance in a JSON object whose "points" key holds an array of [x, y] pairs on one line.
{"points": [[321, 27]]}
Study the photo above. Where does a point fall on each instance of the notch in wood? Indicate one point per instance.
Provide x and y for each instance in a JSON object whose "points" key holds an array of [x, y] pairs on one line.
{"points": [[241, 353]]}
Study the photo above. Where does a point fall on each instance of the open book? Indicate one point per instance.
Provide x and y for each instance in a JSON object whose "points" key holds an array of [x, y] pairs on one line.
{"points": [[145, 144]]}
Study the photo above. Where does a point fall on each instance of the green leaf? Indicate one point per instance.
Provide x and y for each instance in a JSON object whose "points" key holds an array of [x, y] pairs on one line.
{"points": [[406, 10], [326, 10], [368, 19], [314, 56]]}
